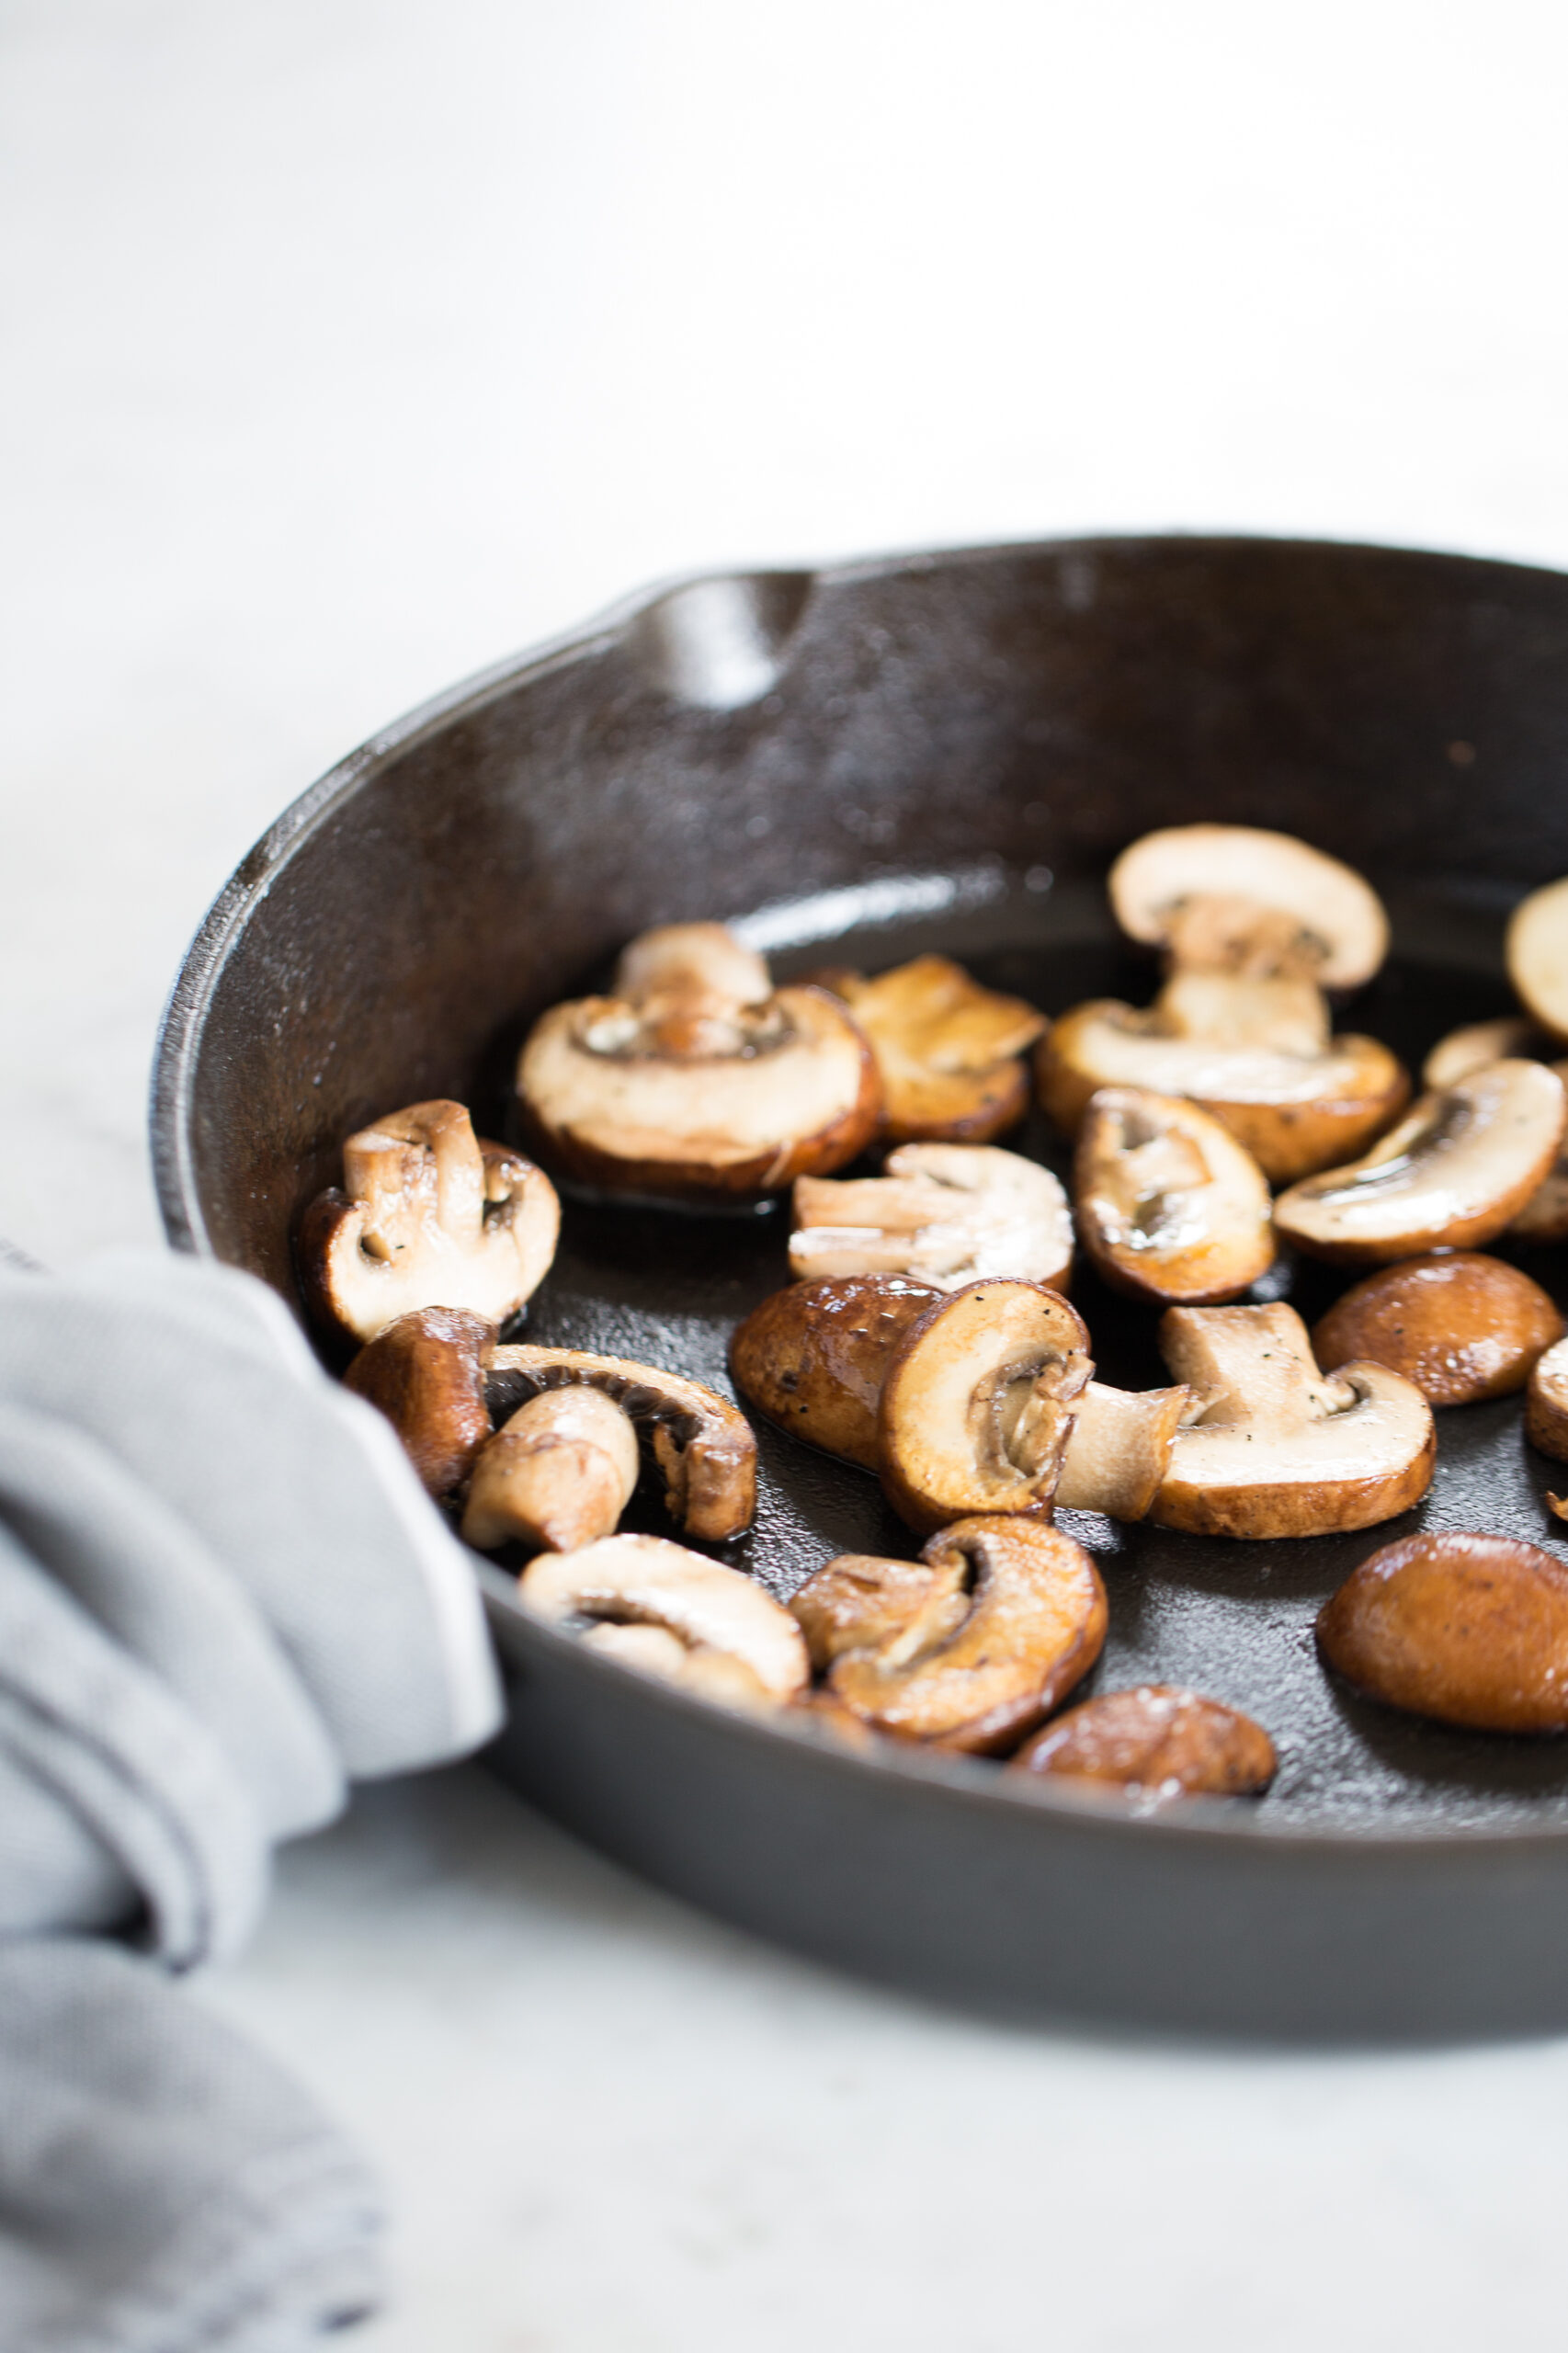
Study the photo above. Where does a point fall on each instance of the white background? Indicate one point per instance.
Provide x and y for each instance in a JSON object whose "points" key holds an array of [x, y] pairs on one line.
{"points": [[349, 345]]}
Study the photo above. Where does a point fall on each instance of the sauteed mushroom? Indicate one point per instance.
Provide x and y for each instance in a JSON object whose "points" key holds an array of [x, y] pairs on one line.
{"points": [[1538, 956], [429, 1216], [703, 1448], [1118, 1449], [814, 1357], [425, 1373], [693, 1080], [948, 1214], [978, 1402], [1170, 1206], [1544, 1218], [1276, 1450], [1241, 899], [966, 1648], [1157, 1743], [1546, 1403], [654, 1605], [1454, 1171], [1460, 1327], [1471, 1629], [949, 1051], [557, 1477]]}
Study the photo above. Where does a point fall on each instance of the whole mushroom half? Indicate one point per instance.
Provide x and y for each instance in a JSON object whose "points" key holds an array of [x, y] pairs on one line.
{"points": [[694, 1080], [948, 1214], [1471, 1629], [969, 1646], [1456, 1170], [1274, 1448], [701, 1444], [429, 1216], [1156, 1743], [949, 1051], [669, 1612], [1170, 1206], [978, 1404]]}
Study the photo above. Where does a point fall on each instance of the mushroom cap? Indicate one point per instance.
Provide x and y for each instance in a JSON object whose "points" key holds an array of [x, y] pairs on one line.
{"points": [[1293, 1112], [814, 1357], [1546, 1402], [1118, 1449], [1330, 924], [647, 1581], [430, 1216], [695, 1104], [702, 1444], [425, 1373], [557, 1477], [948, 1214], [1512, 1036], [978, 1403], [967, 1648], [1170, 1206], [1157, 1741], [946, 1049], [1537, 953], [1470, 1630], [1454, 1171], [1276, 1450], [1460, 1327]]}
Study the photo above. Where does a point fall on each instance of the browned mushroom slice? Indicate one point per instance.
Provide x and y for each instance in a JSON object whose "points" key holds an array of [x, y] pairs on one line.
{"points": [[948, 1214], [978, 1402], [1276, 1450], [686, 1084], [1293, 1111], [948, 1049], [1157, 1741], [1118, 1449], [1546, 1403], [429, 1216], [1241, 899], [425, 1373], [557, 1477], [967, 1648], [814, 1357], [1170, 1206], [1538, 956], [1471, 1629], [1512, 1036], [703, 1446], [1454, 1171], [656, 1607], [1460, 1327]]}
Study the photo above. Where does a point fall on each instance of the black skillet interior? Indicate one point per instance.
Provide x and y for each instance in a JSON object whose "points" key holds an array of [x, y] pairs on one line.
{"points": [[928, 752]]}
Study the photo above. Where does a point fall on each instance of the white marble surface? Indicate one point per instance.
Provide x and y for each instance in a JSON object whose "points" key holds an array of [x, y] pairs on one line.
{"points": [[348, 344]]}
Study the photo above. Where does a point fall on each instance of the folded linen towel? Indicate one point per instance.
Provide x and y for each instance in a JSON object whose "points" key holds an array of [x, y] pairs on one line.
{"points": [[223, 1596]]}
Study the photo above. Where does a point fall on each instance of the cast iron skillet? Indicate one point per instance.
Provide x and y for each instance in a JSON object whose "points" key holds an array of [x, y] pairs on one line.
{"points": [[944, 750]]}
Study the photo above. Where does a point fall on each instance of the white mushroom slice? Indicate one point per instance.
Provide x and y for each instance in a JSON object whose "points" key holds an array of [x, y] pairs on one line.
{"points": [[1273, 1448], [977, 1401], [1170, 1206], [430, 1216], [721, 1619], [558, 1477], [1238, 898], [1510, 1038], [949, 1214], [1537, 955], [1454, 1171], [701, 1444], [1118, 1449]]}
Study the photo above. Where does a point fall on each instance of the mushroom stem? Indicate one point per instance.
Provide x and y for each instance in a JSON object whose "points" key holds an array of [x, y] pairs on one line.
{"points": [[558, 1477]]}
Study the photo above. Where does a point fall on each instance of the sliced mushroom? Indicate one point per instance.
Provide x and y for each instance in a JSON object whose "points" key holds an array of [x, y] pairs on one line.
{"points": [[949, 1051], [686, 1084], [966, 1648], [425, 1373], [1511, 1037], [703, 1446], [978, 1402], [1460, 1327], [430, 1216], [557, 1477], [654, 1605], [1157, 1743], [1454, 1171], [1538, 956], [814, 1357], [1118, 1449], [1241, 899], [1471, 1629], [1546, 1403], [948, 1214], [1170, 1206], [1293, 1111], [1276, 1450]]}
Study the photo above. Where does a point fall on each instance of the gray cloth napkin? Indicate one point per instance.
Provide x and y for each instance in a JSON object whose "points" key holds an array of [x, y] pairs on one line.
{"points": [[223, 1596]]}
